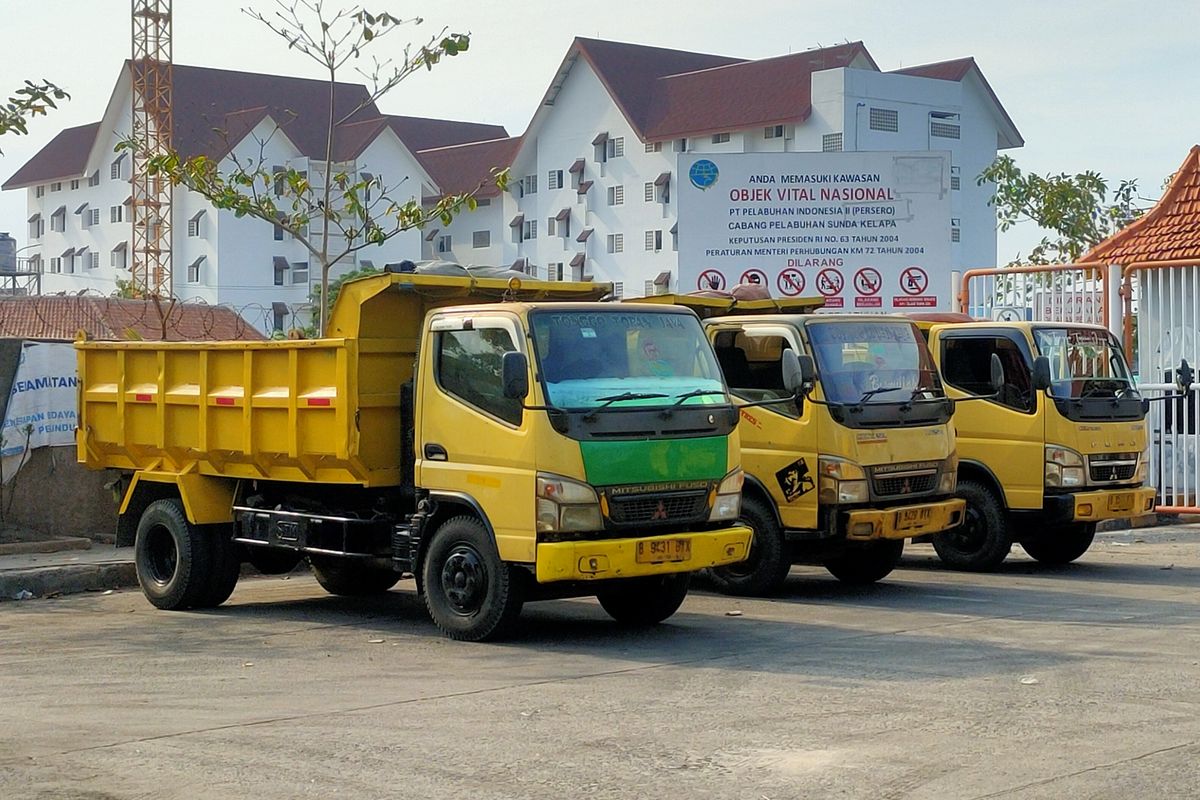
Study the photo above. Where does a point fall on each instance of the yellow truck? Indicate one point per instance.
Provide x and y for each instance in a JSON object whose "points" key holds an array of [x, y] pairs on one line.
{"points": [[501, 440], [1060, 448], [862, 459]]}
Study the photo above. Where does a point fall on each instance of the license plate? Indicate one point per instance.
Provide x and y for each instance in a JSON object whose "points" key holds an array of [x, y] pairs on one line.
{"points": [[663, 550], [913, 517], [1120, 502]]}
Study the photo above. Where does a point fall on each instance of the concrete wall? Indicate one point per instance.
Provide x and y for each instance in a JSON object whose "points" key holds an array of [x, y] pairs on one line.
{"points": [[56, 495]]}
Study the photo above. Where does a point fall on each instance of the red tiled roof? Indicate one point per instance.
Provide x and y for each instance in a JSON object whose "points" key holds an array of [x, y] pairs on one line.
{"points": [[463, 167], [1167, 232], [953, 70], [65, 155], [742, 95], [62, 317], [421, 133]]}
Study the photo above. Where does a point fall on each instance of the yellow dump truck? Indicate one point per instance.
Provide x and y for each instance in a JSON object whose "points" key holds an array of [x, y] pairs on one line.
{"points": [[487, 435], [1058, 449], [862, 459]]}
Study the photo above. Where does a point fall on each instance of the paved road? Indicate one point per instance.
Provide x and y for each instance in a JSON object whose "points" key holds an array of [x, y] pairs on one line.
{"points": [[1033, 683]]}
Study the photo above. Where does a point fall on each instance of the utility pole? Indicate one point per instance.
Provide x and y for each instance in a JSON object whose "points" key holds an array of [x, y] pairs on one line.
{"points": [[150, 71]]}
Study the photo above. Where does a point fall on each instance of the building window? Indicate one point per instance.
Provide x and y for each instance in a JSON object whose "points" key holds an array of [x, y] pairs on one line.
{"points": [[58, 220], [616, 243], [93, 260], [300, 273], [649, 191], [481, 239], [885, 119], [94, 178], [193, 270], [615, 148], [529, 185], [681, 145], [39, 191], [554, 271], [278, 316], [955, 178], [483, 202], [278, 233], [56, 265], [74, 184], [831, 143], [529, 229], [653, 147], [654, 240], [616, 195], [117, 170], [554, 179], [944, 125], [116, 213], [56, 187], [773, 132], [193, 228], [117, 257], [618, 290], [93, 216], [955, 229], [443, 244], [720, 138]]}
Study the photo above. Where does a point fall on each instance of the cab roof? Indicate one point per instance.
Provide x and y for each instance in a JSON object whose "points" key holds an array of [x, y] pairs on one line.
{"points": [[707, 307]]}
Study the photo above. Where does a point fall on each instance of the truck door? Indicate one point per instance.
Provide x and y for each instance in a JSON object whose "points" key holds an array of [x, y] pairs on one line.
{"points": [[471, 440], [779, 445], [1005, 434]]}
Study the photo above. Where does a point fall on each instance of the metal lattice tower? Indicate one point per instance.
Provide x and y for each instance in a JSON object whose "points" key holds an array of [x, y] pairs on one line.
{"points": [[150, 71]]}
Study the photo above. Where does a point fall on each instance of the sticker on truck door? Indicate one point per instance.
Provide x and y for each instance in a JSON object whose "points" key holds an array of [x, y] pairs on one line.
{"points": [[794, 480]]}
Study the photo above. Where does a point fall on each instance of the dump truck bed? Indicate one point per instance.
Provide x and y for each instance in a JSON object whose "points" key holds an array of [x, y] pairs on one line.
{"points": [[321, 410]]}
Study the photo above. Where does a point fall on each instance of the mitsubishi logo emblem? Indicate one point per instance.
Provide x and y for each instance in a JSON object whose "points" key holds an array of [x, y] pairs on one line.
{"points": [[906, 487], [660, 512], [1113, 477]]}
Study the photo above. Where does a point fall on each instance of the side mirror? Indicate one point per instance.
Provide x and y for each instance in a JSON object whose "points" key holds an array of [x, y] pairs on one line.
{"points": [[514, 374], [998, 374], [798, 371], [1184, 376], [1041, 374]]}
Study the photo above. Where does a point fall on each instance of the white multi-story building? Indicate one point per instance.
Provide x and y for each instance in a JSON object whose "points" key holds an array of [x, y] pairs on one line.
{"points": [[78, 189], [593, 177]]}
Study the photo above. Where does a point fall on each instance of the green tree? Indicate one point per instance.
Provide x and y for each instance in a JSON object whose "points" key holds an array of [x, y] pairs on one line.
{"points": [[334, 202], [31, 100], [1077, 209]]}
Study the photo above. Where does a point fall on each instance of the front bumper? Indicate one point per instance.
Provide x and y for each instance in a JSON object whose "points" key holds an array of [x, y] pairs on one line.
{"points": [[1102, 504], [903, 522], [603, 559]]}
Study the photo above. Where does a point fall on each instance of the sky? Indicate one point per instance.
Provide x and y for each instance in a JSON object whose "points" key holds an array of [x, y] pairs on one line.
{"points": [[1104, 85]]}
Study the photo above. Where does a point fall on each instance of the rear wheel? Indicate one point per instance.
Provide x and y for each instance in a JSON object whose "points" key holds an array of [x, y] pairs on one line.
{"points": [[866, 563], [1062, 545], [982, 541], [351, 577], [173, 557], [768, 562], [226, 560], [640, 602], [470, 593]]}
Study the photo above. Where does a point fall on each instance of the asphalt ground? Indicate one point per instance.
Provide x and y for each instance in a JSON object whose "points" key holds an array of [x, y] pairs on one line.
{"points": [[1080, 682]]}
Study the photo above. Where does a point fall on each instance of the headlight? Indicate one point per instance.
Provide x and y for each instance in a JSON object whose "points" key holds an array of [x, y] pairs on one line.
{"points": [[1064, 467], [728, 502], [841, 481], [1142, 474], [949, 480], [566, 505]]}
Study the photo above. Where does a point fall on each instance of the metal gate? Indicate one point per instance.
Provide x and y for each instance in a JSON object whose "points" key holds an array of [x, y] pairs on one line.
{"points": [[1046, 292]]}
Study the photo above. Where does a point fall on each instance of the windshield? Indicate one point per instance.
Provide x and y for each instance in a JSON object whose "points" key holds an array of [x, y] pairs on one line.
{"points": [[1083, 362], [590, 359], [872, 361]]}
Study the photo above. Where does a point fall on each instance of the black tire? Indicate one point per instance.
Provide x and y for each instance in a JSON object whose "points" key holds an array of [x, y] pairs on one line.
{"points": [[173, 557], [226, 559], [470, 593], [766, 566], [641, 602], [273, 560], [351, 577], [982, 541], [1062, 545], [864, 564]]}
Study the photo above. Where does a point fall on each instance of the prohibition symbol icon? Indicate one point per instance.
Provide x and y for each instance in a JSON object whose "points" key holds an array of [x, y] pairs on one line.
{"points": [[754, 276], [711, 279], [829, 282], [790, 282], [867, 281], [913, 280]]}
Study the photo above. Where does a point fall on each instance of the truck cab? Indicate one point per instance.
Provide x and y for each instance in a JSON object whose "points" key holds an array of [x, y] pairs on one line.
{"points": [[1060, 448], [841, 474]]}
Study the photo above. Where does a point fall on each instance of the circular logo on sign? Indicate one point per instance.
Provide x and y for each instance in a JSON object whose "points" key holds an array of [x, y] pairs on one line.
{"points": [[790, 282], [711, 280], [703, 174], [755, 276], [829, 282], [867, 281], [913, 281]]}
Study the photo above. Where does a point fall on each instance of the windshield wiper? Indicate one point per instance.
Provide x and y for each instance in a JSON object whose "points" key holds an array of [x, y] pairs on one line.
{"points": [[680, 398], [869, 393], [616, 398]]}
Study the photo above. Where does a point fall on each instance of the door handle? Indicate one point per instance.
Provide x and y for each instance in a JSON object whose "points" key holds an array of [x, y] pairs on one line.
{"points": [[435, 452]]}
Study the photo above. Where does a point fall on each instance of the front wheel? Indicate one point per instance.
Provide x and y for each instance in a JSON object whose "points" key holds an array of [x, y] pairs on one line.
{"points": [[865, 564], [982, 541], [1063, 545], [351, 577], [641, 602], [470, 593], [768, 562]]}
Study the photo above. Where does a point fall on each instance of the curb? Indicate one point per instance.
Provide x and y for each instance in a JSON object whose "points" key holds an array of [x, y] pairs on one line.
{"points": [[47, 546], [45, 581]]}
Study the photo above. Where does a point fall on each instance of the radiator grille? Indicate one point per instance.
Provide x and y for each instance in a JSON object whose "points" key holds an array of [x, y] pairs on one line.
{"points": [[658, 508]]}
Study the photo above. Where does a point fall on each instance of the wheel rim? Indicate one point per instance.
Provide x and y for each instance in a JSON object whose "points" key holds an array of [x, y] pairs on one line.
{"points": [[464, 580], [971, 536], [162, 557]]}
